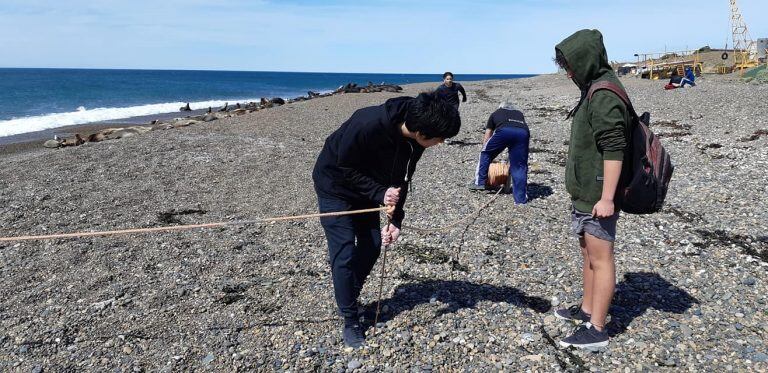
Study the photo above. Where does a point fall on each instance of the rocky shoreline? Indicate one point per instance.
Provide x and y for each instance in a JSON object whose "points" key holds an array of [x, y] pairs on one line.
{"points": [[692, 279]]}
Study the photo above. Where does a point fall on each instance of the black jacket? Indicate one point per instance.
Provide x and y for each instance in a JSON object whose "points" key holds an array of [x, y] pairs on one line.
{"points": [[367, 155], [451, 94]]}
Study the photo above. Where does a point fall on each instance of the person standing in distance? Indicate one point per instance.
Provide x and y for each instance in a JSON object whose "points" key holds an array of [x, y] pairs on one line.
{"points": [[449, 90]]}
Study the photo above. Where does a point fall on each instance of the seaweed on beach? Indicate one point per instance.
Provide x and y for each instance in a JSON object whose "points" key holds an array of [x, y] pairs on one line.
{"points": [[754, 136], [547, 111], [674, 134], [686, 216], [425, 254], [558, 159], [671, 124], [756, 247], [462, 143], [482, 95], [171, 217]]}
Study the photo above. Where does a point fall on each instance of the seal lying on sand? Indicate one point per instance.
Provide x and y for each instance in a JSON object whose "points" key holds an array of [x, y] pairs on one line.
{"points": [[52, 144], [185, 108], [78, 140], [97, 137]]}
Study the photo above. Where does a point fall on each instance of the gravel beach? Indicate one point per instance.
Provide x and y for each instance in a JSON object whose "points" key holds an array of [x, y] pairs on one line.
{"points": [[692, 280]]}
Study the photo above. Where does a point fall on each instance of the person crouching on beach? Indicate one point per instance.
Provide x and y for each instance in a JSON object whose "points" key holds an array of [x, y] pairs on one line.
{"points": [[506, 129], [598, 142], [368, 162]]}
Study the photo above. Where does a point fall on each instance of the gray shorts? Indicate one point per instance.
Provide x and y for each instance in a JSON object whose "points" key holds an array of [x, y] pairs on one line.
{"points": [[602, 228]]}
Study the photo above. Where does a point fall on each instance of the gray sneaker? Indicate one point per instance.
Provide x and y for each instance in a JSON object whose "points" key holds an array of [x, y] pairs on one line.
{"points": [[573, 313], [474, 187], [586, 336], [353, 335]]}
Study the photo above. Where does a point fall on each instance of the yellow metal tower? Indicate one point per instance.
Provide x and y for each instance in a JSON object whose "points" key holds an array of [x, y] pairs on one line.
{"points": [[744, 48]]}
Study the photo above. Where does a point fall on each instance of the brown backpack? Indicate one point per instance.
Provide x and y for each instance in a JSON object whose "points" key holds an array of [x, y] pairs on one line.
{"points": [[647, 169]]}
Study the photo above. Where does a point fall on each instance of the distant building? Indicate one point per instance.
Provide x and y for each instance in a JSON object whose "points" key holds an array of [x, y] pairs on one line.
{"points": [[762, 46]]}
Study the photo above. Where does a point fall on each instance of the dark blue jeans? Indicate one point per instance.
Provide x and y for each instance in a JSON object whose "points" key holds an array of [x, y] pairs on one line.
{"points": [[517, 140], [354, 245]]}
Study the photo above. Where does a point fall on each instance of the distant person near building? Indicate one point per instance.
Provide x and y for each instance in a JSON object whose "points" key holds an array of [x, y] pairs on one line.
{"points": [[449, 90], [690, 78], [506, 129]]}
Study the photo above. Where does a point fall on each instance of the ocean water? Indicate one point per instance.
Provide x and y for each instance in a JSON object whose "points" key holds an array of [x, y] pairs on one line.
{"points": [[38, 99]]}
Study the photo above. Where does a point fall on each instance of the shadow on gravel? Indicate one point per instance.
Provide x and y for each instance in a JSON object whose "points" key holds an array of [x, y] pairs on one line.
{"points": [[643, 290], [454, 295], [537, 191]]}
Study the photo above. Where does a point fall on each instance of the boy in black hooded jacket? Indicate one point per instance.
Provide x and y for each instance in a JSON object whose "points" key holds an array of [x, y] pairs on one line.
{"points": [[368, 162]]}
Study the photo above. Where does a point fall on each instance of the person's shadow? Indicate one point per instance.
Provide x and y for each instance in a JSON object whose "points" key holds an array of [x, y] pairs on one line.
{"points": [[454, 295], [640, 291], [536, 191]]}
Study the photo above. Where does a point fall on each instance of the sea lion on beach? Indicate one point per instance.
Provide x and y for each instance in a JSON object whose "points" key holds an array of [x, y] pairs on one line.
{"points": [[209, 110], [78, 140], [391, 88], [97, 137], [209, 118], [126, 132], [52, 144], [185, 108], [237, 105], [277, 101], [224, 108]]}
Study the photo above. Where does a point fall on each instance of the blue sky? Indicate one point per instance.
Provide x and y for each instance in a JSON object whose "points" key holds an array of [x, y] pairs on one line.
{"points": [[397, 36]]}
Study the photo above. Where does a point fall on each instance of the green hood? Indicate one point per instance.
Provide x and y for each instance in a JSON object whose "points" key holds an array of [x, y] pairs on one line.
{"points": [[586, 57]]}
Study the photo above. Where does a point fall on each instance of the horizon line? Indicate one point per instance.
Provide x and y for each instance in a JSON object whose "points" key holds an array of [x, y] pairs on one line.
{"points": [[255, 71]]}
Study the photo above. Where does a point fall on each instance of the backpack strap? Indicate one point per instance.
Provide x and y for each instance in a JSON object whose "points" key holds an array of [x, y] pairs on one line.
{"points": [[613, 87]]}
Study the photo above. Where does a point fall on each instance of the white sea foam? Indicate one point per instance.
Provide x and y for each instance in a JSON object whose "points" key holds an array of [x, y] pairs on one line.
{"points": [[84, 115]]}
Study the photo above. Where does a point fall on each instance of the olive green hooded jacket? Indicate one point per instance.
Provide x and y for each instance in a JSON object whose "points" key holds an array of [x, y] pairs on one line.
{"points": [[600, 128]]}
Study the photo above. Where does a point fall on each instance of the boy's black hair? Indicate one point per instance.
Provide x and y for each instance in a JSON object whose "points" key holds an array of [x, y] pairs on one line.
{"points": [[432, 117], [447, 73]]}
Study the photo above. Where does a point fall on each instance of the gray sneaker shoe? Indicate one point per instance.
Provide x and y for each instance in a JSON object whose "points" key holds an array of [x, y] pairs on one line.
{"points": [[586, 336], [353, 335], [476, 188], [573, 313]]}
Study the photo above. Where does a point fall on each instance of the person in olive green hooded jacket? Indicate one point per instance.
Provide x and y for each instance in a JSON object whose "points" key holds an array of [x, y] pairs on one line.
{"points": [[599, 138]]}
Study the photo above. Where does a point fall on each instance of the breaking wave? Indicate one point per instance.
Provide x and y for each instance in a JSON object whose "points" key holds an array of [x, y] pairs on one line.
{"points": [[84, 115]]}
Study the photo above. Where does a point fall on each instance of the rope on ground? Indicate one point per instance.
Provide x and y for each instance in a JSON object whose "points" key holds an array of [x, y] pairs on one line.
{"points": [[243, 222], [457, 222], [188, 227]]}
